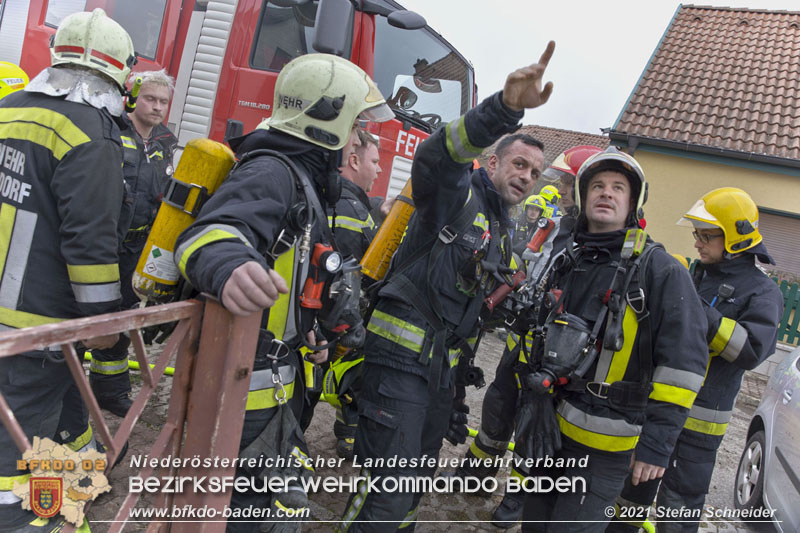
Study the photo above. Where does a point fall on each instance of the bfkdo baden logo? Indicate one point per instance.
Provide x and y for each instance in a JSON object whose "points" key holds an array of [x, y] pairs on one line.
{"points": [[46, 495]]}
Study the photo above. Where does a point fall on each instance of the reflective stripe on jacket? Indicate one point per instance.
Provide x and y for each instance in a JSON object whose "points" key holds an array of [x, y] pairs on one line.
{"points": [[61, 190]]}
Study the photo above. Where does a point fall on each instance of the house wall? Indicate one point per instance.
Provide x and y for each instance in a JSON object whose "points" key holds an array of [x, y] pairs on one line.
{"points": [[678, 181]]}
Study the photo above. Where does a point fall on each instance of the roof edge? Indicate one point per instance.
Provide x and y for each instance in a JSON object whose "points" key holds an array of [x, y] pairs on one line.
{"points": [[646, 66], [635, 140]]}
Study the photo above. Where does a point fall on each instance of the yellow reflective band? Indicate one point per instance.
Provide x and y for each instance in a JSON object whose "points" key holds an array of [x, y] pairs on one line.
{"points": [[722, 336], [82, 440], [109, 368], [7, 215], [672, 394], [620, 360], [201, 240], [518, 475], [396, 330], [623, 520], [8, 483], [709, 428], [41, 126], [303, 458], [477, 452], [93, 273], [265, 398], [278, 313], [157, 155], [290, 511], [128, 142], [481, 222], [410, 519], [350, 223], [21, 319], [458, 145], [609, 443]]}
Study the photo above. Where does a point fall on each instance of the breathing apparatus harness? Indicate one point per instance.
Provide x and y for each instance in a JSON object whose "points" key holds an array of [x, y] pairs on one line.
{"points": [[569, 348], [427, 302], [322, 268]]}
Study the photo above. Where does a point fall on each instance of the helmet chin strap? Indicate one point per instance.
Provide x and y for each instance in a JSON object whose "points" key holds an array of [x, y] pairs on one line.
{"points": [[332, 187]]}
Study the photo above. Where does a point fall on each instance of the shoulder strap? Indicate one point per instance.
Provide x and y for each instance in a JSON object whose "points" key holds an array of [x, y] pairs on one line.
{"points": [[304, 184]]}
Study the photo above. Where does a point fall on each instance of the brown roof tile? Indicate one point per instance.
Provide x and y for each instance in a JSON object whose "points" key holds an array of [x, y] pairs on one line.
{"points": [[725, 78], [555, 141]]}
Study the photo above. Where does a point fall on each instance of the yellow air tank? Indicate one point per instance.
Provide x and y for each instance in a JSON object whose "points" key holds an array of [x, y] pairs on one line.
{"points": [[376, 259], [203, 165]]}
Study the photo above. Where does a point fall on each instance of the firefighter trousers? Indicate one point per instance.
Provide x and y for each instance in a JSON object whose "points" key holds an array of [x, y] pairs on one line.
{"points": [[498, 411], [584, 506], [33, 384], [684, 487], [399, 418], [283, 439]]}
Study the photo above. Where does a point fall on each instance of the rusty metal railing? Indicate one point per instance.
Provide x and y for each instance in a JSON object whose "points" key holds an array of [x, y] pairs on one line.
{"points": [[214, 351]]}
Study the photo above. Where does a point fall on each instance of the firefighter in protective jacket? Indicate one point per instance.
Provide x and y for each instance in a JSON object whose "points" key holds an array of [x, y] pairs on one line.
{"points": [[743, 307], [147, 148], [253, 245], [427, 311], [500, 401], [62, 181], [624, 341]]}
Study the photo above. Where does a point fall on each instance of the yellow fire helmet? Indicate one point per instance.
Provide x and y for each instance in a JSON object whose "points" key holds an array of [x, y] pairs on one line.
{"points": [[613, 159], [682, 260], [550, 194], [730, 209], [93, 40], [318, 98], [535, 201], [12, 78]]}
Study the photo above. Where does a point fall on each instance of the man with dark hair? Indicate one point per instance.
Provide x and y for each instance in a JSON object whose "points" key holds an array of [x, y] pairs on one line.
{"points": [[617, 356], [428, 309]]}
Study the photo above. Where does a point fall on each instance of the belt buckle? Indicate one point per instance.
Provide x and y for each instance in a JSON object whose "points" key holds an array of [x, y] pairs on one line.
{"points": [[278, 350], [447, 235], [601, 389], [638, 298]]}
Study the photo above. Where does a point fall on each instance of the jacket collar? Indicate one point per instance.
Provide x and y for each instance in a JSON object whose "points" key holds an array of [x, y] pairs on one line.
{"points": [[356, 191], [481, 180]]}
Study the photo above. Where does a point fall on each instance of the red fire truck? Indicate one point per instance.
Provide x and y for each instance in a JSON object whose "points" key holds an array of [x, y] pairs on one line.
{"points": [[226, 54]]}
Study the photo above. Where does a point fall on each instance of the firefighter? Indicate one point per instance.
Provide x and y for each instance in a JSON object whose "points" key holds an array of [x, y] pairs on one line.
{"points": [[148, 148], [262, 230], [12, 78], [59, 222], [551, 197], [533, 207], [500, 401], [625, 346], [428, 309], [354, 230], [743, 307]]}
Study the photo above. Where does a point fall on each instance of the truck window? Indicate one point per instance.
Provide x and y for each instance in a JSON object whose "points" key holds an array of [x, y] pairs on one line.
{"points": [[142, 19], [57, 10], [421, 75], [284, 33]]}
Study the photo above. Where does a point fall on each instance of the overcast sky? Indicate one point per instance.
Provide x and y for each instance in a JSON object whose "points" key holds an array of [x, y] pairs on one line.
{"points": [[602, 47]]}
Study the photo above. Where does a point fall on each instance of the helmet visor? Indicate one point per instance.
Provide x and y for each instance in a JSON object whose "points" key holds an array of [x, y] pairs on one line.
{"points": [[378, 113]]}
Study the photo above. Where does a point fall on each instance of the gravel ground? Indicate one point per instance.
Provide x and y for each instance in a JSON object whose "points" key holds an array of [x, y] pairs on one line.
{"points": [[441, 512]]}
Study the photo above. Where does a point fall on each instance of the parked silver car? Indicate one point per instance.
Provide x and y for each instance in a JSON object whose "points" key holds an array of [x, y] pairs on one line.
{"points": [[769, 470]]}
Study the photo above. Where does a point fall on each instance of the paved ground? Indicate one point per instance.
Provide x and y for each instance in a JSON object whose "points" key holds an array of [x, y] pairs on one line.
{"points": [[439, 513]]}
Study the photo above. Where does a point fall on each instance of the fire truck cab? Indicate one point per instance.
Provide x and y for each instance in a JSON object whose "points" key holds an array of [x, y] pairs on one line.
{"points": [[226, 54]]}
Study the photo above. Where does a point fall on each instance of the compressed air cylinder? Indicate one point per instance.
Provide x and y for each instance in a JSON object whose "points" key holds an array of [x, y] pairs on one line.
{"points": [[203, 165], [375, 262]]}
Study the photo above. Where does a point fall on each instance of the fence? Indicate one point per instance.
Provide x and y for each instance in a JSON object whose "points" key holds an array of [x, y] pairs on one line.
{"points": [[214, 351]]}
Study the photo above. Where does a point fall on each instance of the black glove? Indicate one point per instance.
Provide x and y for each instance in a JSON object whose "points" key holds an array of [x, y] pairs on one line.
{"points": [[537, 433], [457, 432]]}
